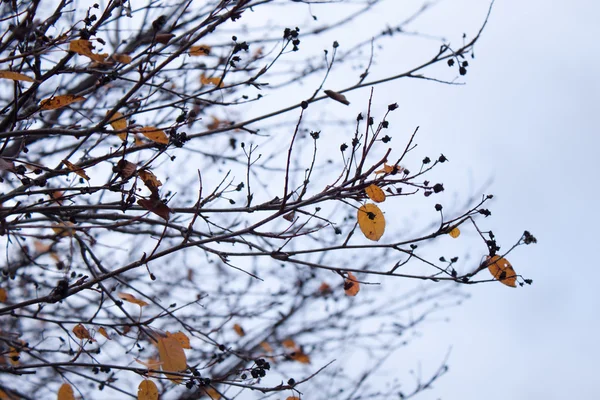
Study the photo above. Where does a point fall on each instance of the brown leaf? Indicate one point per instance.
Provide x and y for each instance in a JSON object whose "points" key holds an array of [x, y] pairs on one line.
{"points": [[82, 333], [154, 204], [150, 180], [501, 270], [60, 101], [325, 289], [66, 392], [78, 170], [375, 193], [351, 285], [119, 123], [172, 356], [201, 50], [181, 338], [289, 343], [371, 221], [103, 332], [6, 165], [337, 97], [154, 134], [300, 356], [132, 299], [3, 295], [126, 168], [63, 229], [163, 38], [15, 76], [239, 330], [85, 48], [211, 81], [266, 347], [122, 58], [147, 390], [293, 398], [211, 393]]}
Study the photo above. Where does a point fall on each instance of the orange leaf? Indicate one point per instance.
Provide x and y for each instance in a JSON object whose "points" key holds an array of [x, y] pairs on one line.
{"points": [[501, 270], [13, 356], [66, 392], [351, 285], [172, 356], [211, 81], [132, 299], [325, 288], [293, 398], [82, 333], [201, 50], [85, 48], [454, 233], [371, 221], [150, 180], [289, 343], [122, 58], [375, 193], [239, 330], [154, 134], [15, 76], [119, 123], [266, 347], [3, 295], [390, 169], [60, 101], [154, 204], [147, 390], [181, 338], [103, 332], [78, 170], [300, 356]]}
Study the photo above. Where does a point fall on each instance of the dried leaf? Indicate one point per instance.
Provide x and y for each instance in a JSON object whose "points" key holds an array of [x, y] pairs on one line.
{"points": [[325, 289], [119, 123], [337, 97], [371, 221], [78, 170], [147, 390], [454, 233], [351, 285], [66, 392], [13, 356], [125, 168], [15, 76], [154, 204], [289, 343], [172, 356], [60, 101], [181, 338], [163, 38], [390, 169], [290, 216], [57, 196], [132, 299], [375, 193], [293, 398], [85, 48], [63, 229], [150, 180], [82, 333], [266, 347], [154, 134], [239, 330], [201, 50], [103, 332], [501, 270], [215, 124], [122, 58], [3, 295], [211, 81], [300, 356]]}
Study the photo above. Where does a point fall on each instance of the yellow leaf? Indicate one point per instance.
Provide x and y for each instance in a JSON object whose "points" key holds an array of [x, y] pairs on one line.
{"points": [[375, 193], [172, 357], [501, 270], [266, 347], [15, 76], [289, 343], [211, 81], [66, 392], [60, 101], [181, 338], [3, 295], [85, 48], [64, 229], [154, 134], [147, 390], [82, 333], [239, 330], [454, 233], [13, 356], [390, 169], [150, 180], [122, 58], [119, 123], [78, 170], [132, 299], [201, 50], [103, 332], [351, 285], [371, 221]]}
